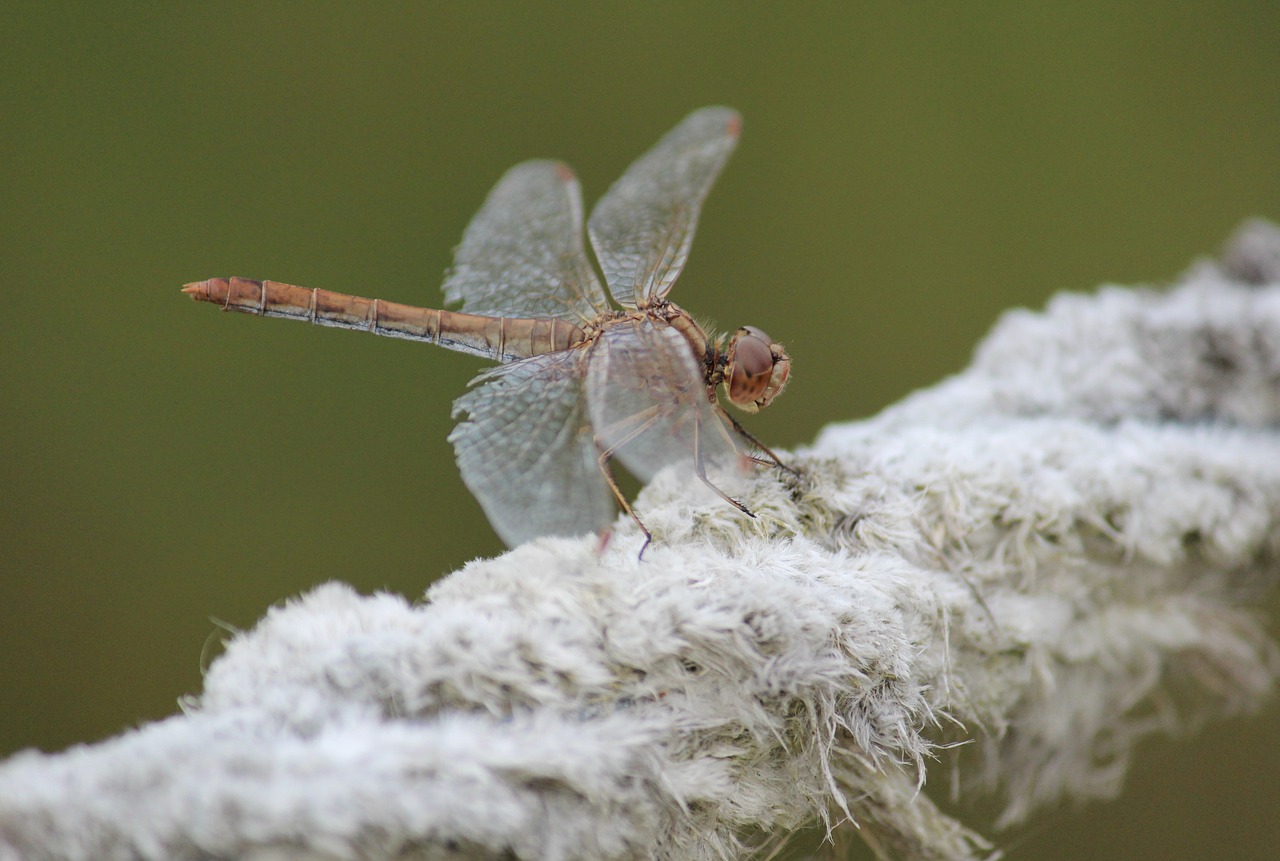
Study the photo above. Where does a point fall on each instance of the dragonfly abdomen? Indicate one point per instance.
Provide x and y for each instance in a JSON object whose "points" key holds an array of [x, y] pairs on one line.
{"points": [[500, 338]]}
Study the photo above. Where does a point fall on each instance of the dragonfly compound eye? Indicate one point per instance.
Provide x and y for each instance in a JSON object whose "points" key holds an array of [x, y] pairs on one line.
{"points": [[756, 369]]}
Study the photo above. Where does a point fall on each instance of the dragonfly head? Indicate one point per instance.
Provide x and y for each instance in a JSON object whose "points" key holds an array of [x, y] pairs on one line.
{"points": [[755, 369]]}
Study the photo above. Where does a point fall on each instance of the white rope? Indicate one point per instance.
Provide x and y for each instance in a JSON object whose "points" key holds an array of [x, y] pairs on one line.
{"points": [[1049, 556]]}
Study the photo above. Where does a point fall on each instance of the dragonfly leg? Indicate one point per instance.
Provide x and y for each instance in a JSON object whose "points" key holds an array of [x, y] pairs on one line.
{"points": [[602, 462], [773, 459], [700, 468], [604, 536]]}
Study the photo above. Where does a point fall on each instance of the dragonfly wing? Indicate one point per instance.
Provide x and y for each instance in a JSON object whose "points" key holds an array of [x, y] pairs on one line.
{"points": [[522, 255], [647, 398], [642, 228], [527, 452]]}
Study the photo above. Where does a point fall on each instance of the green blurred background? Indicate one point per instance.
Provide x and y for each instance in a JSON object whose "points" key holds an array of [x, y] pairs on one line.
{"points": [[902, 178]]}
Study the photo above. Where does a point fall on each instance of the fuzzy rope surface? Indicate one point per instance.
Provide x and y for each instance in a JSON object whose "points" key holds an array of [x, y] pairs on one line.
{"points": [[1049, 556]]}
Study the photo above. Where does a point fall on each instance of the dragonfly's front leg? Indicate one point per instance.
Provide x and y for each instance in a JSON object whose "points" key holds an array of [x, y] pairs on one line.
{"points": [[773, 460]]}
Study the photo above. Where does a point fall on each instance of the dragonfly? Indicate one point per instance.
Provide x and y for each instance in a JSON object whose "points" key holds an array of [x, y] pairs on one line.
{"points": [[580, 383]]}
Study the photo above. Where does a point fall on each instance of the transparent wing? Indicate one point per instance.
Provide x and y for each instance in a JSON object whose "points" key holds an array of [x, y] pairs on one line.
{"points": [[527, 452], [522, 255], [647, 398], [642, 228]]}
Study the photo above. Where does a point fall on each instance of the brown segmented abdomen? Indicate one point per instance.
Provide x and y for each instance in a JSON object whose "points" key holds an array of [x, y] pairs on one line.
{"points": [[500, 338]]}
